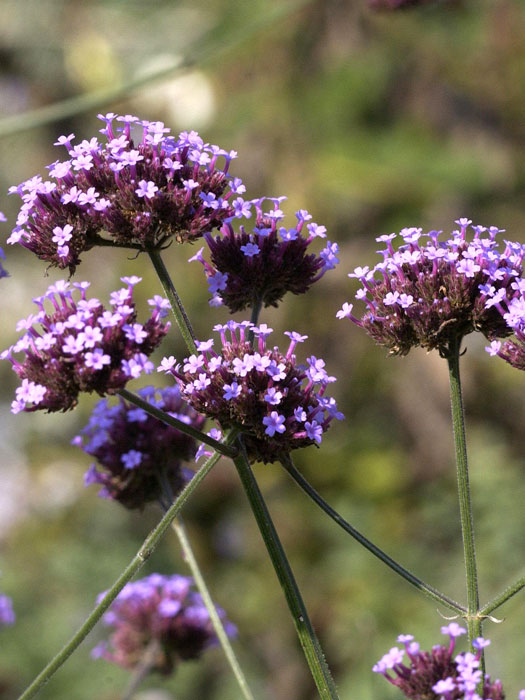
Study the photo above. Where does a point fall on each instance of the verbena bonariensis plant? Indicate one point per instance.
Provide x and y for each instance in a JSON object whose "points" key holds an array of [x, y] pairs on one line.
{"points": [[141, 189]]}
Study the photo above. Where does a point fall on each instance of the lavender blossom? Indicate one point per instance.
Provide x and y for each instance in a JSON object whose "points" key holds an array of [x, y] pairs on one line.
{"points": [[438, 674], [137, 452], [511, 306], [81, 346], [159, 614], [259, 267], [140, 193], [7, 614], [277, 404], [429, 292]]}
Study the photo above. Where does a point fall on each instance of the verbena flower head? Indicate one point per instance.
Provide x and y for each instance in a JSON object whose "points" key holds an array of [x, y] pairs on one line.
{"points": [[136, 452], [77, 345], [141, 187], [159, 614], [278, 404], [260, 265], [511, 306], [438, 674], [429, 292], [7, 614]]}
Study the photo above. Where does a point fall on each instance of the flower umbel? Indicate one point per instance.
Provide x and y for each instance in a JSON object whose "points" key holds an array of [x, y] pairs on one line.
{"points": [[429, 292], [81, 346], [138, 453], [438, 674], [141, 187], [162, 614], [259, 267], [277, 404]]}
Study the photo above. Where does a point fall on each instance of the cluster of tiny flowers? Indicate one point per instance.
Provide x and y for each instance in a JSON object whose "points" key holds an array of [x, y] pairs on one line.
{"points": [[278, 405], [511, 305], [162, 616], [259, 266], [140, 192], [3, 273], [429, 292], [7, 614], [81, 346], [137, 452], [438, 674]]}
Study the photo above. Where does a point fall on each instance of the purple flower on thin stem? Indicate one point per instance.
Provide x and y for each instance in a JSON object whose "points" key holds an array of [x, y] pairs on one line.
{"points": [[429, 292], [7, 614], [81, 346], [278, 404], [261, 265], [511, 307], [136, 452], [140, 188], [162, 616], [440, 674]]}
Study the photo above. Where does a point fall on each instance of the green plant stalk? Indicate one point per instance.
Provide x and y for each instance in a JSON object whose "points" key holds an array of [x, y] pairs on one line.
{"points": [[510, 591], [193, 565], [220, 447], [309, 642], [465, 507], [177, 308], [425, 588], [142, 670], [133, 567]]}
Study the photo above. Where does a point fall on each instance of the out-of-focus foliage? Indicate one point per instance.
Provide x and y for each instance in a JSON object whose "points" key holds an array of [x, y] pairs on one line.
{"points": [[372, 121]]}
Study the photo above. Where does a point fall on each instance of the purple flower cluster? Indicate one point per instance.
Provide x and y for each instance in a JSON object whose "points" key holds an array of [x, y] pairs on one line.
{"points": [[436, 675], [260, 266], [161, 615], [7, 614], [141, 186], [429, 292], [277, 404], [511, 306], [137, 452], [81, 346]]}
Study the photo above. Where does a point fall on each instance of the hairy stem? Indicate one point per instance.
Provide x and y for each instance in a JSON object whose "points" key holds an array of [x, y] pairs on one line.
{"points": [[465, 507], [508, 593], [179, 312], [221, 447], [425, 588], [133, 567], [309, 642]]}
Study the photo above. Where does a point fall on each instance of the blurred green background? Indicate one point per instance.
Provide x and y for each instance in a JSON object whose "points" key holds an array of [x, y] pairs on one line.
{"points": [[372, 121]]}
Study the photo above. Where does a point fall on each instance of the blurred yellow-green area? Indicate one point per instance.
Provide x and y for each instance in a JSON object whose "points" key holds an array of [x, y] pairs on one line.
{"points": [[372, 121]]}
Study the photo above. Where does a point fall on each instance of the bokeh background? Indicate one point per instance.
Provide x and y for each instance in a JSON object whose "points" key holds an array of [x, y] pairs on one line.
{"points": [[373, 121]]}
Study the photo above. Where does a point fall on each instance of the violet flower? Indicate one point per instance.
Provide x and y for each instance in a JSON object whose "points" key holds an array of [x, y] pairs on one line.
{"points": [[81, 346], [260, 266], [7, 614], [429, 292], [141, 187], [161, 615], [438, 674], [277, 404], [136, 453]]}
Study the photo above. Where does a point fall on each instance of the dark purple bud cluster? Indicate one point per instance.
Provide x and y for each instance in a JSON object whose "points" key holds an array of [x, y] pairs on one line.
{"points": [[7, 614], [277, 404], [429, 292], [142, 187], [161, 616], [81, 346], [258, 267], [436, 675], [141, 457]]}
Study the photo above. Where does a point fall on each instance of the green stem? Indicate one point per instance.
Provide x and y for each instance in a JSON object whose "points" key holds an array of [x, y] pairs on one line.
{"points": [[311, 647], [425, 588], [221, 447], [136, 563], [179, 312], [143, 668], [465, 506], [503, 597], [212, 610]]}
